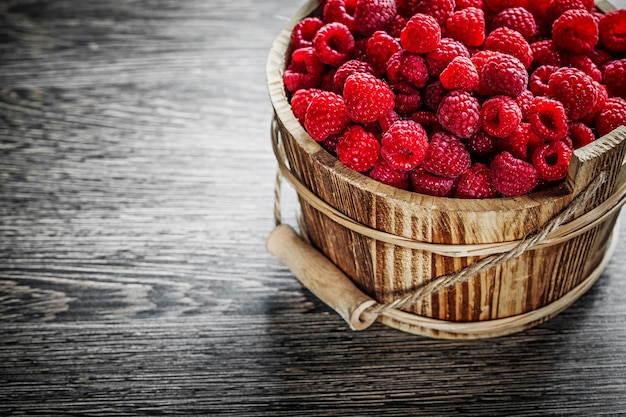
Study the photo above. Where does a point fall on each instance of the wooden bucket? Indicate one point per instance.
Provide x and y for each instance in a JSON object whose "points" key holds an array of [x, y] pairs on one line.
{"points": [[375, 244]]}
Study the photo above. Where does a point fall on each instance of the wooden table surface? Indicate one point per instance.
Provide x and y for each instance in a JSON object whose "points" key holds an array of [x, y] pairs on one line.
{"points": [[136, 192]]}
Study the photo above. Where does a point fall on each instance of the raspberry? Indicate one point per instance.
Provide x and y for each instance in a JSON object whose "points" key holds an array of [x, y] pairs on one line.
{"points": [[480, 58], [500, 116], [551, 160], [586, 65], [385, 173], [459, 113], [373, 15], [463, 4], [446, 51], [305, 70], [557, 7], [404, 66], [476, 182], [612, 30], [548, 119], [358, 149], [341, 11], [330, 144], [504, 74], [524, 101], [427, 119], [367, 97], [575, 89], [509, 41], [467, 26], [538, 81], [575, 31], [446, 156], [397, 24], [346, 69], [460, 74], [426, 183], [522, 143], [300, 102], [421, 34], [404, 145], [326, 115], [304, 31], [545, 52], [388, 119], [380, 47], [334, 44], [439, 9], [518, 19], [433, 94], [481, 143], [612, 115], [499, 5], [580, 134], [615, 78], [602, 95], [512, 176], [407, 98]]}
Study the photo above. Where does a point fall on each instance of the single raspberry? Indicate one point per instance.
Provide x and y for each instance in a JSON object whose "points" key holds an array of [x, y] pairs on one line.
{"points": [[346, 69], [383, 172], [404, 66], [407, 98], [509, 41], [380, 47], [341, 11], [397, 24], [358, 149], [304, 31], [612, 30], [427, 119], [538, 81], [580, 134], [367, 97], [521, 143], [500, 116], [446, 156], [444, 53], [434, 92], [615, 78], [612, 115], [421, 34], [518, 19], [557, 7], [575, 31], [388, 119], [476, 182], [467, 26], [459, 113], [404, 145], [575, 89], [305, 70], [548, 119], [602, 95], [373, 15], [460, 74], [326, 115], [424, 182], [464, 4], [481, 143], [545, 52], [334, 44], [300, 102], [439, 9], [552, 160], [499, 5], [586, 65], [512, 176], [524, 101], [504, 74]]}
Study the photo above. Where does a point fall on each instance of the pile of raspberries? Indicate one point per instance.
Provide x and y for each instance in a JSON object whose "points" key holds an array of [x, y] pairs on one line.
{"points": [[465, 98]]}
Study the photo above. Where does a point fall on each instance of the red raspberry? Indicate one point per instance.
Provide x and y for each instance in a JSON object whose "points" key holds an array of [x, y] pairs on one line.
{"points": [[557, 7], [426, 183], [538, 81], [512, 176], [524, 101], [433, 94], [385, 173], [612, 32], [373, 15], [341, 11], [305, 70], [421, 34], [602, 95], [504, 74], [509, 41], [334, 44], [476, 182], [459, 113], [545, 52], [521, 143], [575, 31], [326, 115], [446, 51], [580, 134], [499, 5], [404, 145], [427, 119], [300, 102], [439, 9], [500, 116], [460, 74], [397, 24], [404, 66], [612, 115], [407, 98], [551, 160], [548, 119], [615, 77], [304, 31], [575, 89], [467, 26], [446, 156], [586, 65], [358, 149], [388, 119], [346, 69], [367, 97], [380, 47], [518, 19], [481, 57], [481, 143], [330, 144], [464, 4]]}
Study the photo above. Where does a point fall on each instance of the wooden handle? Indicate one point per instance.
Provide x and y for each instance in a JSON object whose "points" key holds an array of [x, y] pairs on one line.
{"points": [[321, 277]]}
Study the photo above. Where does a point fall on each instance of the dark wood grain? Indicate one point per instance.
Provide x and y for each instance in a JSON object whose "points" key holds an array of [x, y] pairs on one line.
{"points": [[136, 181]]}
